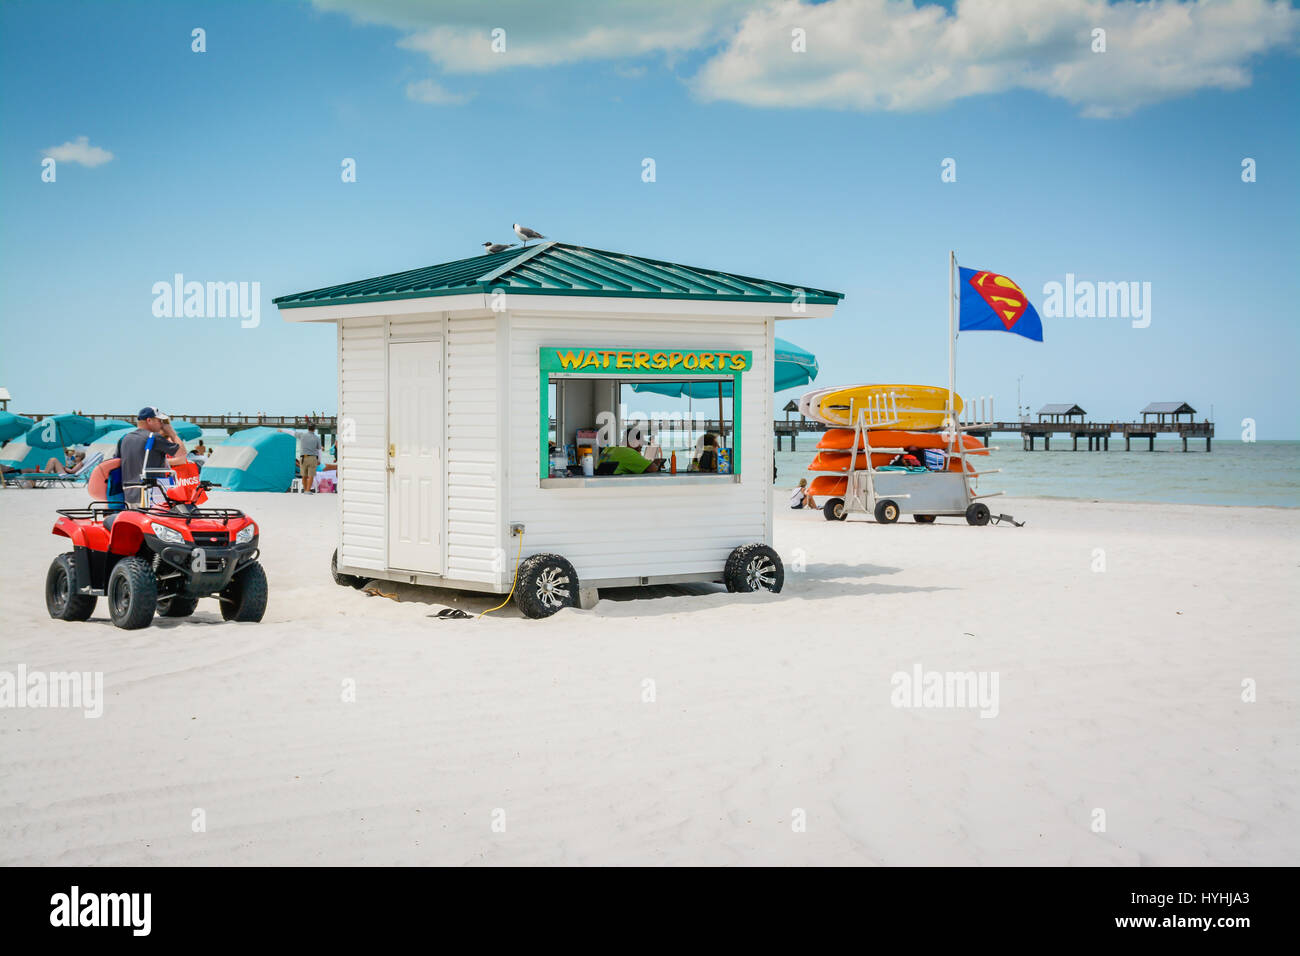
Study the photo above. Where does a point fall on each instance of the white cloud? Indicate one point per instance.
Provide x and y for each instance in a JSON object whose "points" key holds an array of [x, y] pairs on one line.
{"points": [[427, 91], [79, 151], [457, 34], [893, 55], [867, 54]]}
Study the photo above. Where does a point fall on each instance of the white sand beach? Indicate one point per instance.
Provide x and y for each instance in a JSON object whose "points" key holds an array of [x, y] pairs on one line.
{"points": [[1119, 690]]}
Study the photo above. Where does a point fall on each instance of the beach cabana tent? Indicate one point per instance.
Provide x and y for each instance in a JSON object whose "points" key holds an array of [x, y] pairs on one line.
{"points": [[254, 459], [18, 454], [451, 375]]}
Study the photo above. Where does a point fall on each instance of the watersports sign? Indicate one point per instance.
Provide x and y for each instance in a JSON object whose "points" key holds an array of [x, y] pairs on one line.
{"points": [[645, 361]]}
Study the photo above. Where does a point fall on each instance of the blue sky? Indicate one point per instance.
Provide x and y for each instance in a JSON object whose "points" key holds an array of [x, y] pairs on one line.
{"points": [[1115, 166]]}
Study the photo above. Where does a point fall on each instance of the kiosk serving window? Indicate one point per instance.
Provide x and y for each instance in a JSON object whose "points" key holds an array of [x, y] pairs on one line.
{"points": [[618, 414]]}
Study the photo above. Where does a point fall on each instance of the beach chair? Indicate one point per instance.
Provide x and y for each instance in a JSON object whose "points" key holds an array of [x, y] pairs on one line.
{"points": [[75, 479]]}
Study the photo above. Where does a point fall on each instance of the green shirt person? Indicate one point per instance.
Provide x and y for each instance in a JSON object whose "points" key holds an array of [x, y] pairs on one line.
{"points": [[630, 461]]}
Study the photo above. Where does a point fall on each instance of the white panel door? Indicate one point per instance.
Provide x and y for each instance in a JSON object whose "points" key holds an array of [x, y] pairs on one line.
{"points": [[415, 456]]}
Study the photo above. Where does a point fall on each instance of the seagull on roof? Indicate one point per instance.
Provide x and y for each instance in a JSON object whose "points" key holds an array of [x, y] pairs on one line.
{"points": [[524, 233], [491, 247]]}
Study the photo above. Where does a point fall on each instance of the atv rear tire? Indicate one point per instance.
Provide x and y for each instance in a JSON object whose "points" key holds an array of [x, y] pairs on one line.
{"points": [[61, 586], [132, 594], [344, 580], [244, 598], [176, 606]]}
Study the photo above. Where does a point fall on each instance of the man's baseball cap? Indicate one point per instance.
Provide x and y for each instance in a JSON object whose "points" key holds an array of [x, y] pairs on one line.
{"points": [[150, 412]]}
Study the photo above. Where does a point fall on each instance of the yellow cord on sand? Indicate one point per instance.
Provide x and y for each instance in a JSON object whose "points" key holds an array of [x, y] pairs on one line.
{"points": [[512, 583]]}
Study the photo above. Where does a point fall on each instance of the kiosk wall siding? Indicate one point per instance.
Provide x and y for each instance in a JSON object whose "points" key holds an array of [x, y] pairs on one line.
{"points": [[472, 446], [641, 531], [363, 407]]}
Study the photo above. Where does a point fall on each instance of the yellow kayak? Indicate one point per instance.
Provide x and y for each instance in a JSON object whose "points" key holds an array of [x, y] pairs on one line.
{"points": [[917, 407]]}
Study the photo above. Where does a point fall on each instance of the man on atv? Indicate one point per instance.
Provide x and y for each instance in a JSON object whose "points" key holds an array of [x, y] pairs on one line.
{"points": [[146, 451]]}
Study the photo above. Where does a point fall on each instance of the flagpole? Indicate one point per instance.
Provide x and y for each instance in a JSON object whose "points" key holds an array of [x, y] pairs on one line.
{"points": [[952, 344]]}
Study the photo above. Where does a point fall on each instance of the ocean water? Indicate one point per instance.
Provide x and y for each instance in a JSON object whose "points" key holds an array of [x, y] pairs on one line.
{"points": [[1234, 473]]}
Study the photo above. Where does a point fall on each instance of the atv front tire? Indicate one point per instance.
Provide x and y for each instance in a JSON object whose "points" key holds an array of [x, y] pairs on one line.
{"points": [[244, 598], [344, 580], [132, 594], [61, 586]]}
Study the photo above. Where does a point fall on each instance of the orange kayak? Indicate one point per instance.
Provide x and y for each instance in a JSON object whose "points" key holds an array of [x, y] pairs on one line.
{"points": [[840, 439], [826, 486]]}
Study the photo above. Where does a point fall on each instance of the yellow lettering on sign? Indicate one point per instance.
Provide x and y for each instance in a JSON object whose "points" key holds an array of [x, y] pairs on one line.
{"points": [[706, 361], [691, 361], [659, 361], [569, 360], [737, 362], [674, 359], [593, 360], [641, 360], [623, 360], [605, 356]]}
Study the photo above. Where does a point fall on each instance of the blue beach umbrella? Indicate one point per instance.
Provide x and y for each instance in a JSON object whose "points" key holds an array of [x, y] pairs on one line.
{"points": [[60, 430], [11, 425], [794, 366]]}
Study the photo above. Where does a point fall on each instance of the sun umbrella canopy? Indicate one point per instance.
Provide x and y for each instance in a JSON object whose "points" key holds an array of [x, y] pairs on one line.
{"points": [[60, 430], [11, 425], [186, 431], [794, 366], [110, 425]]}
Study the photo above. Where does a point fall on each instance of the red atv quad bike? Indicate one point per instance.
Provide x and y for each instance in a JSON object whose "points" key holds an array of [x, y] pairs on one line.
{"points": [[161, 559]]}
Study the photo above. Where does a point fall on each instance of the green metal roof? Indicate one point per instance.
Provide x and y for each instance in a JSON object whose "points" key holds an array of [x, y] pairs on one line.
{"points": [[557, 268]]}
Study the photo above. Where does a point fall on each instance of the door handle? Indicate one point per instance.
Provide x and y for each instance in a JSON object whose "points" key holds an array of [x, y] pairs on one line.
{"points": [[392, 453]]}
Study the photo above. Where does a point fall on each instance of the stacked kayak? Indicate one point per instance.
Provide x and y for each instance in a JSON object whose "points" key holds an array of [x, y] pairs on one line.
{"points": [[913, 414]]}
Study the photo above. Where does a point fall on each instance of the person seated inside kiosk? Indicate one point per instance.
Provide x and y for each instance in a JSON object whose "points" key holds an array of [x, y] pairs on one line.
{"points": [[628, 459]]}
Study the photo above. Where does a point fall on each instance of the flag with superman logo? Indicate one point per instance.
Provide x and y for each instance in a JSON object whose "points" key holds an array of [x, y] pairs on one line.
{"points": [[993, 303]]}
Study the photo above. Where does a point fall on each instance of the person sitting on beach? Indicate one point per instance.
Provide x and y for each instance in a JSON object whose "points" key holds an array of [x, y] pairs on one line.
{"points": [[800, 497]]}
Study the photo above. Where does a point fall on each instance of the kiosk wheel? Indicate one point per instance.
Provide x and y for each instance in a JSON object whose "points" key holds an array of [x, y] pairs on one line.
{"points": [[834, 510], [754, 567], [977, 514], [923, 519], [887, 511], [546, 583], [344, 580]]}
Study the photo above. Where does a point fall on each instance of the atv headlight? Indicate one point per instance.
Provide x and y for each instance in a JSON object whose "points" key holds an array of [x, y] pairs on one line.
{"points": [[246, 534], [169, 535]]}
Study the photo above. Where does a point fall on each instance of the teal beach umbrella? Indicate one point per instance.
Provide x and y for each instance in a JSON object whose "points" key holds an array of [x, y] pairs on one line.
{"points": [[186, 431], [102, 428], [60, 430], [11, 425], [795, 366]]}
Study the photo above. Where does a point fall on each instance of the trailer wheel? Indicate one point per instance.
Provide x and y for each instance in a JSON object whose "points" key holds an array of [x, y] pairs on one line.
{"points": [[834, 510], [923, 519], [344, 580], [754, 567], [887, 511], [175, 605], [977, 514], [132, 594], [61, 586], [244, 598], [546, 583]]}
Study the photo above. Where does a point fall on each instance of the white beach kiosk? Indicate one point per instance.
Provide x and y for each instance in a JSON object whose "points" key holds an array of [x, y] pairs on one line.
{"points": [[464, 387]]}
